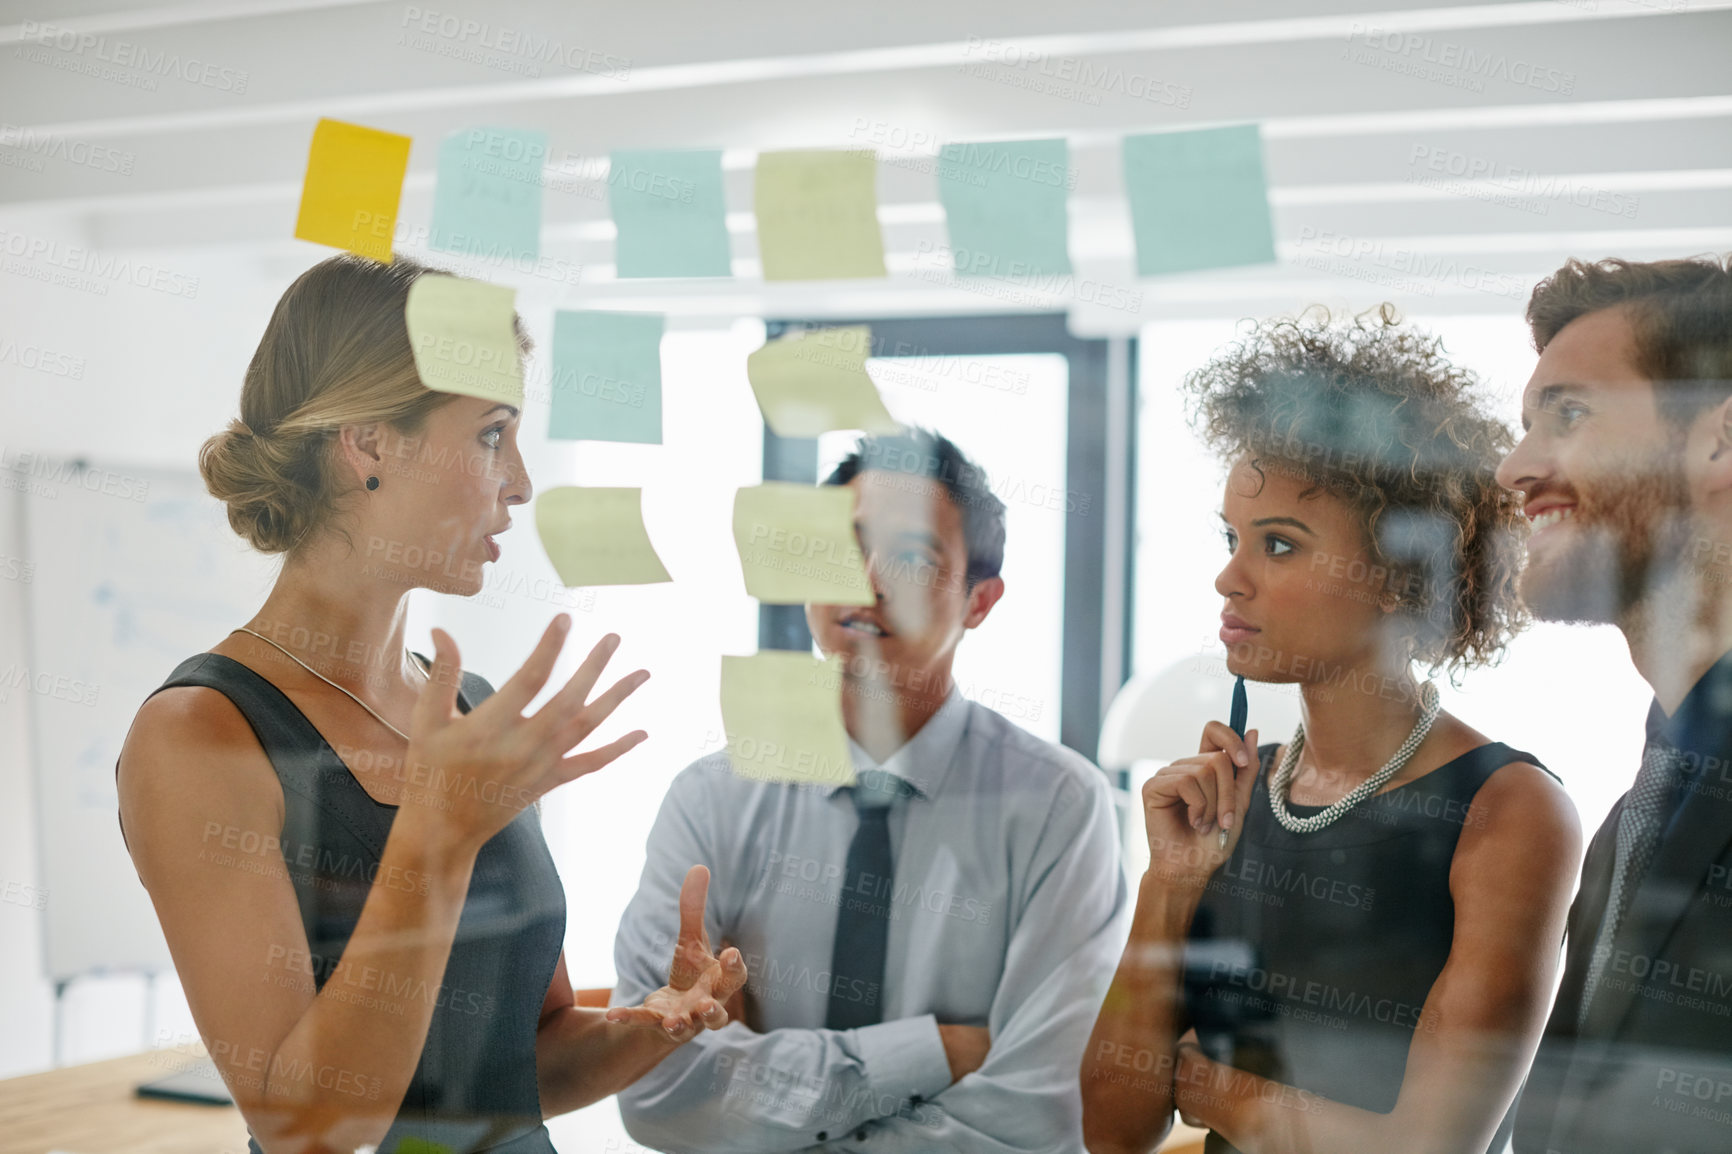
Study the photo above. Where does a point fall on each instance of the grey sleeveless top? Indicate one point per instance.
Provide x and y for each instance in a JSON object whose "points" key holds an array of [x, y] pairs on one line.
{"points": [[474, 1088]]}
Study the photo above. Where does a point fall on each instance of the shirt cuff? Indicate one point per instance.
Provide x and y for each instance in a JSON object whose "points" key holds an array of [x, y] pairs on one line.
{"points": [[904, 1058]]}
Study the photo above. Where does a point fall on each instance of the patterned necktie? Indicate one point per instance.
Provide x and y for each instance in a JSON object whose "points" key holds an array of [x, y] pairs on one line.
{"points": [[1639, 826], [863, 914]]}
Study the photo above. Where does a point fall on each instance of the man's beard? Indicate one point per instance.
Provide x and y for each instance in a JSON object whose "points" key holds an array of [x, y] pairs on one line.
{"points": [[1628, 538]]}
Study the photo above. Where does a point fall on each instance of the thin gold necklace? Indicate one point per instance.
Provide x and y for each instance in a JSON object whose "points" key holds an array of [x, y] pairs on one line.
{"points": [[333, 684]]}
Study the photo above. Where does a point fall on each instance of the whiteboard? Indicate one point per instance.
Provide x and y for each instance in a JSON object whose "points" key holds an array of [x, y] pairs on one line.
{"points": [[124, 590]]}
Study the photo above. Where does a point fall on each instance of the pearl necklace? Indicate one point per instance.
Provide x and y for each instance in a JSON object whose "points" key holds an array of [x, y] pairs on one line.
{"points": [[1283, 780], [328, 681]]}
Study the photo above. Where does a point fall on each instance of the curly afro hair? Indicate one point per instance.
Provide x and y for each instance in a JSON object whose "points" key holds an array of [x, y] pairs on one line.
{"points": [[1372, 413]]}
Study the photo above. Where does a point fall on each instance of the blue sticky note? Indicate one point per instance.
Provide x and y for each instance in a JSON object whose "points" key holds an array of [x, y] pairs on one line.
{"points": [[1005, 204], [607, 377], [1198, 199], [487, 199], [670, 214]]}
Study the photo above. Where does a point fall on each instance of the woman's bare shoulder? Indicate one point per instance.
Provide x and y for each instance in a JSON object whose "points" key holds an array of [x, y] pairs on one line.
{"points": [[191, 757], [1521, 812]]}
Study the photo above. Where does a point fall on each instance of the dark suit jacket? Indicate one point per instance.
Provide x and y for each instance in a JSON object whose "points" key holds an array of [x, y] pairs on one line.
{"points": [[1651, 1069]]}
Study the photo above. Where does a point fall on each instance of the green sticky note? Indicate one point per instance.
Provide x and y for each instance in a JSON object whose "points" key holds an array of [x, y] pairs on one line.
{"points": [[797, 544], [782, 714], [596, 536], [413, 1145], [1198, 199], [812, 382], [462, 336], [818, 215], [669, 212], [607, 377], [1005, 206], [487, 199], [353, 184]]}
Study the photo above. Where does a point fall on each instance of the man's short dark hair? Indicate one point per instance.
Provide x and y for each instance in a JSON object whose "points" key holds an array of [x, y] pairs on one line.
{"points": [[917, 452], [1680, 311]]}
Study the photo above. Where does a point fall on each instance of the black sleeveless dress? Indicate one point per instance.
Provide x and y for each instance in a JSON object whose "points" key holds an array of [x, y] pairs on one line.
{"points": [[474, 1088], [1311, 954]]}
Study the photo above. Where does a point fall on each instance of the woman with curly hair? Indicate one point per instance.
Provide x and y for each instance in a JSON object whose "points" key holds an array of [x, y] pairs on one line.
{"points": [[1347, 942]]}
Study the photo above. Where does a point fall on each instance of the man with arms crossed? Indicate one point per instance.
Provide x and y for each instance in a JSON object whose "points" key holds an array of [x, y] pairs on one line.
{"points": [[928, 947], [1626, 472]]}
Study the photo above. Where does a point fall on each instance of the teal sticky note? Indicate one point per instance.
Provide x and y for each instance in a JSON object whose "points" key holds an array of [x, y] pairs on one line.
{"points": [[487, 198], [607, 377], [1198, 199], [669, 213], [1005, 205]]}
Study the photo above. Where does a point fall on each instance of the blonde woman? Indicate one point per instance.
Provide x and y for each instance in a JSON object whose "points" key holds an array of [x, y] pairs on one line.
{"points": [[341, 839]]}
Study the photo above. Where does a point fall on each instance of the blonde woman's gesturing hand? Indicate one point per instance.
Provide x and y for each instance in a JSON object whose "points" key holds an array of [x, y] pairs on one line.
{"points": [[471, 774]]}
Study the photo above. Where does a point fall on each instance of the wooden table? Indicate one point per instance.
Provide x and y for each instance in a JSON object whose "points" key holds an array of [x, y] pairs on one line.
{"points": [[91, 1109]]}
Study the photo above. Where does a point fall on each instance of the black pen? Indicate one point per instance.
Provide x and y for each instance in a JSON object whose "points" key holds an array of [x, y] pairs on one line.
{"points": [[1236, 722]]}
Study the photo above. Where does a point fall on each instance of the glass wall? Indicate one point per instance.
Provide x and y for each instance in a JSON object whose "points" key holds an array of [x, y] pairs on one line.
{"points": [[712, 445], [1007, 414], [1552, 677]]}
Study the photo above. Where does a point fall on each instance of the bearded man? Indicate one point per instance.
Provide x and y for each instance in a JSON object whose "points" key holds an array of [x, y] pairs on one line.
{"points": [[1625, 467]]}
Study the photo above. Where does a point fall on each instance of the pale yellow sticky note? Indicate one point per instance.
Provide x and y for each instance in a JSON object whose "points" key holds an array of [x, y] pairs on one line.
{"points": [[810, 383], [782, 713], [461, 333], [818, 214], [353, 185], [797, 544], [596, 536]]}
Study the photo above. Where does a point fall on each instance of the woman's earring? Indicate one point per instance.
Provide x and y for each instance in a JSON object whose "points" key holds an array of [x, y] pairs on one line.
{"points": [[372, 482]]}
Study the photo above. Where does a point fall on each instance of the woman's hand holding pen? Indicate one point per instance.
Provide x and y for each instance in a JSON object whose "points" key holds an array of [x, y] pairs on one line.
{"points": [[1188, 803], [471, 774]]}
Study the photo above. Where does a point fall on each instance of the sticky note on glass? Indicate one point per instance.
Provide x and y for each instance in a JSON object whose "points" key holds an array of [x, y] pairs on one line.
{"points": [[353, 184], [812, 382], [607, 377], [797, 544], [1198, 199], [1005, 206], [462, 337], [487, 199], [596, 536], [669, 212], [782, 714], [818, 214]]}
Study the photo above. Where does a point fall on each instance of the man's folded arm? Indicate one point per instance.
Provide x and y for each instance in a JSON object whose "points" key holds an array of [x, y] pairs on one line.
{"points": [[734, 1090], [1061, 959]]}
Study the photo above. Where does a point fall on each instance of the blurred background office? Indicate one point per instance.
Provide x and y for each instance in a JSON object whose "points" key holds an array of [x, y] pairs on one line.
{"points": [[151, 157]]}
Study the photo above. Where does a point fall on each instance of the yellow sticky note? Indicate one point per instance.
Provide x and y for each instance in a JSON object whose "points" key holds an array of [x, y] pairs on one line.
{"points": [[782, 713], [354, 182], [596, 536], [818, 214], [461, 334], [810, 383], [797, 544]]}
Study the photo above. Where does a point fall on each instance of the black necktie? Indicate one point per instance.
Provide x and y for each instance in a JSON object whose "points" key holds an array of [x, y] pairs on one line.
{"points": [[863, 914]]}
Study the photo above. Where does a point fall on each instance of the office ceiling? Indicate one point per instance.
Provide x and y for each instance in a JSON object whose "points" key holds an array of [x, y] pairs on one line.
{"points": [[1442, 157]]}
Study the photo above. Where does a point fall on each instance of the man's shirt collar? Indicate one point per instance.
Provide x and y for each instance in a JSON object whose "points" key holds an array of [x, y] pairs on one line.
{"points": [[924, 759]]}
